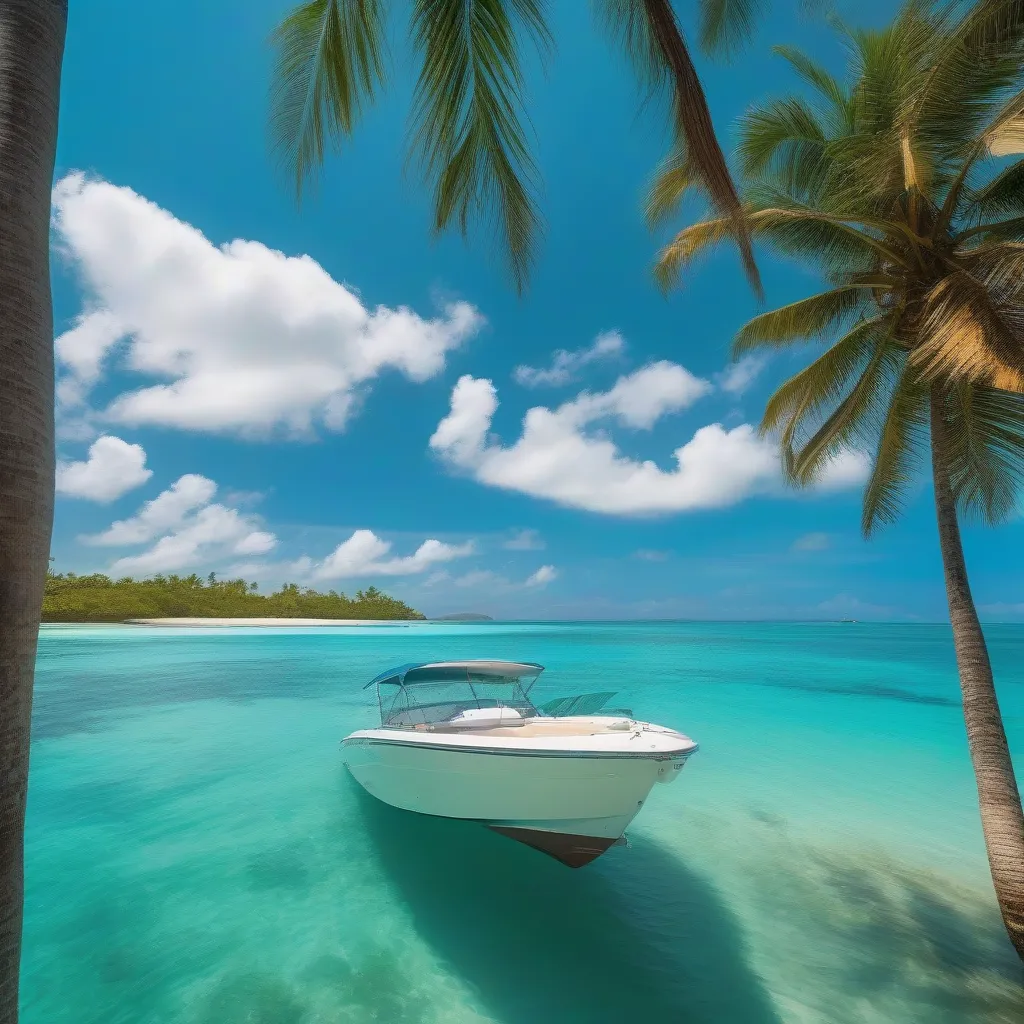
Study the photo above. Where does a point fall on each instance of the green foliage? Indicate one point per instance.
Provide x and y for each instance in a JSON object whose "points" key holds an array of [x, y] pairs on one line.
{"points": [[895, 186], [98, 598], [470, 127], [467, 124]]}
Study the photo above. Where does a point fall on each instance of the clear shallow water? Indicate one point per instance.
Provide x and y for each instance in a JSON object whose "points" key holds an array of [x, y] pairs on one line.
{"points": [[196, 852]]}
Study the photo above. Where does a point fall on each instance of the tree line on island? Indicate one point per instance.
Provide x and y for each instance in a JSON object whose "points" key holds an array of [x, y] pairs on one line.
{"points": [[98, 598]]}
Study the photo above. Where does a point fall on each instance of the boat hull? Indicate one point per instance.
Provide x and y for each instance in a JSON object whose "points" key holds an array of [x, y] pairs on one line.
{"points": [[570, 805]]}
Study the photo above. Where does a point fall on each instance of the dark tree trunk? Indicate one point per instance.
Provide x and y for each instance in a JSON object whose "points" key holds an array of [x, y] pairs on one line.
{"points": [[1001, 818], [31, 51]]}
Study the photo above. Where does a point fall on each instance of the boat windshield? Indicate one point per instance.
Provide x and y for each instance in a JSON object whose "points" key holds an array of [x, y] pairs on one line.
{"points": [[436, 693]]}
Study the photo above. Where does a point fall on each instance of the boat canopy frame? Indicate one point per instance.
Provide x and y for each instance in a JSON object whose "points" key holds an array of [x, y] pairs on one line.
{"points": [[406, 705]]}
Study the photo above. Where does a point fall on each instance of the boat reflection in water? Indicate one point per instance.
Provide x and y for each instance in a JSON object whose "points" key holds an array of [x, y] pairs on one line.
{"points": [[462, 739]]}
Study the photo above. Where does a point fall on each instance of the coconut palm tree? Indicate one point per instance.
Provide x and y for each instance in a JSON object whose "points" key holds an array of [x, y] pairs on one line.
{"points": [[903, 187], [468, 130], [31, 50]]}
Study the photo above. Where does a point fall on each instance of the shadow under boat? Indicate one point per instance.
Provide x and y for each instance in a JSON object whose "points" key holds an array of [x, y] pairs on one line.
{"points": [[636, 936]]}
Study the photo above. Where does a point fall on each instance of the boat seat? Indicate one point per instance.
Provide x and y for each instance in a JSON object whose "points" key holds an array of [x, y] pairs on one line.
{"points": [[485, 718]]}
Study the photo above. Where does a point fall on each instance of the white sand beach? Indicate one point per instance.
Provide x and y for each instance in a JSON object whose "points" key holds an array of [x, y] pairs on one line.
{"points": [[268, 622]]}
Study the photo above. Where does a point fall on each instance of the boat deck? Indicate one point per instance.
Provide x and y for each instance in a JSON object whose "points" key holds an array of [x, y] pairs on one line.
{"points": [[550, 728]]}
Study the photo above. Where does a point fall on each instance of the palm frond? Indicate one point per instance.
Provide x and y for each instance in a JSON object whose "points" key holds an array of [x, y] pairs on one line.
{"points": [[851, 415], [783, 137], [329, 62], [992, 26], [725, 25], [798, 232], [801, 229], [985, 449], [821, 384], [807, 318], [969, 336], [1002, 136], [821, 80], [970, 61], [684, 249], [998, 268], [468, 129], [1002, 195], [1011, 230], [652, 39], [673, 179], [1006, 138], [887, 63], [898, 453]]}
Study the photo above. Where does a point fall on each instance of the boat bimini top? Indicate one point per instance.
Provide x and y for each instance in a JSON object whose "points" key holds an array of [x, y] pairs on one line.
{"points": [[455, 692]]}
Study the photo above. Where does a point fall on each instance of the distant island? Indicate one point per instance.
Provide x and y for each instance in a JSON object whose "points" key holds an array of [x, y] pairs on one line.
{"points": [[98, 598], [463, 617]]}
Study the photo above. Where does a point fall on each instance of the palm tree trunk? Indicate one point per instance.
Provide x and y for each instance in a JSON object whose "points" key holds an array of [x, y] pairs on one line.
{"points": [[1002, 820], [31, 51]]}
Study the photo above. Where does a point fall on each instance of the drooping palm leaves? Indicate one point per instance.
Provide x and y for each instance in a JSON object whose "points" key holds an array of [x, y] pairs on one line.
{"points": [[904, 187], [916, 228], [469, 127]]}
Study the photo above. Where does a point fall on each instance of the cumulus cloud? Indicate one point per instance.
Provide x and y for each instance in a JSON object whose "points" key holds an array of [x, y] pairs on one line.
{"points": [[560, 457], [185, 529], [524, 540], [112, 468], [566, 365], [365, 554], [542, 577], [738, 376], [239, 338]]}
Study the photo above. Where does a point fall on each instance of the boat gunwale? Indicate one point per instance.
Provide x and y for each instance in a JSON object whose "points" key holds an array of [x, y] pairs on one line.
{"points": [[415, 741]]}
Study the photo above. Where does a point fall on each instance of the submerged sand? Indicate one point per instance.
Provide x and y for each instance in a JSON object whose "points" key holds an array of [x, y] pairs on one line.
{"points": [[267, 622]]}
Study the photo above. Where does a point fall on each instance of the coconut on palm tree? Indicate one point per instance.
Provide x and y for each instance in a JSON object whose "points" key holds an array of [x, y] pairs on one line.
{"points": [[31, 49], [903, 188], [468, 130]]}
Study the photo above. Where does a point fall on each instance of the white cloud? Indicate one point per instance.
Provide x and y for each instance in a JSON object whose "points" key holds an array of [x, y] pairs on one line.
{"points": [[82, 350], [242, 339], [738, 376], [565, 365], [524, 540], [542, 577], [812, 542], [558, 459], [165, 512], [186, 529], [365, 554], [112, 468]]}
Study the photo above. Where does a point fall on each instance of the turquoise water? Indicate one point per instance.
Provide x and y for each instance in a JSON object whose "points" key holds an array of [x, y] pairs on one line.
{"points": [[196, 852]]}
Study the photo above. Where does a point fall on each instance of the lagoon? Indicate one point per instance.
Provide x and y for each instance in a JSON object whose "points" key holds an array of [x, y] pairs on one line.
{"points": [[196, 852]]}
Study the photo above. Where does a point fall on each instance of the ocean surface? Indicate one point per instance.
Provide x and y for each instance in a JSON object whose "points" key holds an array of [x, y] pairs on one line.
{"points": [[196, 852]]}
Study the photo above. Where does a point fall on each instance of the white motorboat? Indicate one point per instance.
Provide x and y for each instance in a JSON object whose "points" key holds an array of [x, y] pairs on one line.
{"points": [[462, 739]]}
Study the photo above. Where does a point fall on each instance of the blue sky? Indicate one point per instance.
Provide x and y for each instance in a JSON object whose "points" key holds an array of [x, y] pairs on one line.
{"points": [[252, 386]]}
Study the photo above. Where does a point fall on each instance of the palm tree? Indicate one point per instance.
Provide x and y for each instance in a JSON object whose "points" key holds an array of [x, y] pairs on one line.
{"points": [[468, 130], [31, 51], [897, 187]]}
